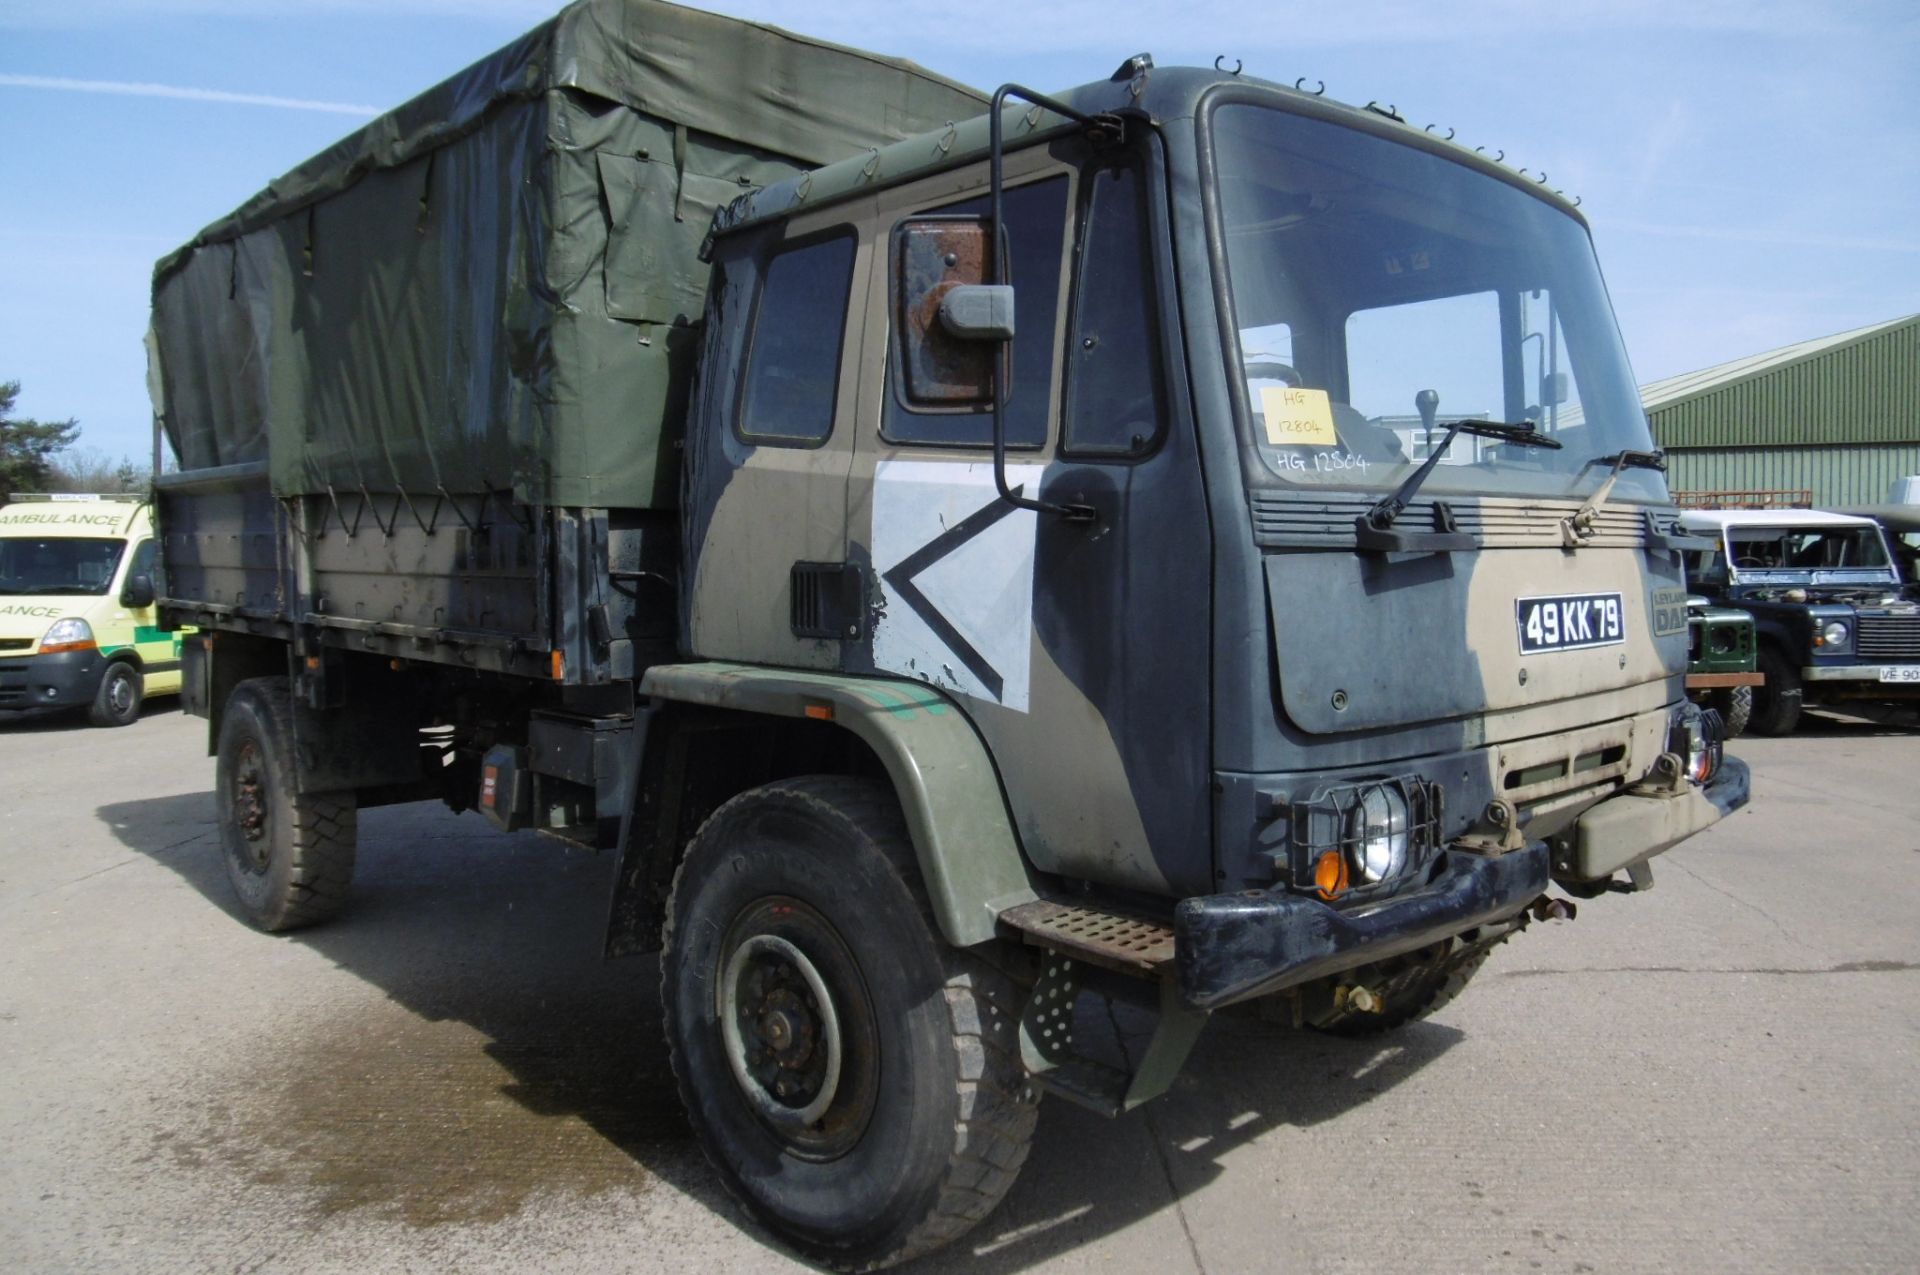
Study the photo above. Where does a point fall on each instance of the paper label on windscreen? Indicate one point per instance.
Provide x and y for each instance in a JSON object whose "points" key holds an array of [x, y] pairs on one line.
{"points": [[1298, 417]]}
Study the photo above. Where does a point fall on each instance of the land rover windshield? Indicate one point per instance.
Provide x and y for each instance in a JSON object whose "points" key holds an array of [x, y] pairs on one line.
{"points": [[57, 564], [1381, 292]]}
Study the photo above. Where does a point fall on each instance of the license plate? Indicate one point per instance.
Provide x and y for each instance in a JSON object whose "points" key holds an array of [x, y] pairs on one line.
{"points": [[1569, 622], [1900, 673]]}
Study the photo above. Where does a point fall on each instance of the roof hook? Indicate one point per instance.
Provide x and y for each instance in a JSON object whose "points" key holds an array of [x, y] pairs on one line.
{"points": [[945, 144], [1498, 156], [869, 169], [1542, 178], [1219, 65], [1447, 138], [1300, 86], [1391, 111]]}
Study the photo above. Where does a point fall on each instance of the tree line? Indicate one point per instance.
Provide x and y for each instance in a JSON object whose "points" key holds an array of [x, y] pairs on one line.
{"points": [[45, 456]]}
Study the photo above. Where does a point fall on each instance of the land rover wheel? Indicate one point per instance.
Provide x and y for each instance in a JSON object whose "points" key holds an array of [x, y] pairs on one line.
{"points": [[117, 702], [1735, 706], [855, 1081], [289, 854], [1776, 704]]}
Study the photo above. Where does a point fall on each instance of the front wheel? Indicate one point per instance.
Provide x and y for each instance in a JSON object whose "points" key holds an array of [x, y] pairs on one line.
{"points": [[1408, 993], [117, 702], [1735, 706], [856, 1081], [1777, 702]]}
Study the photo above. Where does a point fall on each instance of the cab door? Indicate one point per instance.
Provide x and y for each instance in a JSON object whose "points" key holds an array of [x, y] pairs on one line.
{"points": [[766, 477], [1079, 648]]}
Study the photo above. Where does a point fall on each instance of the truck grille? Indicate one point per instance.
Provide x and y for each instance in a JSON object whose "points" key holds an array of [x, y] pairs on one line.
{"points": [[1888, 637]]}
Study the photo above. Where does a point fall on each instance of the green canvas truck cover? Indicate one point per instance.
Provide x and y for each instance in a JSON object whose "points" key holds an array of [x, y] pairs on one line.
{"points": [[497, 286]]}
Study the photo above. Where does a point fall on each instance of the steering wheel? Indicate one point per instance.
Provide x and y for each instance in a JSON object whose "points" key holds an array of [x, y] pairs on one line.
{"points": [[1751, 562], [1268, 370]]}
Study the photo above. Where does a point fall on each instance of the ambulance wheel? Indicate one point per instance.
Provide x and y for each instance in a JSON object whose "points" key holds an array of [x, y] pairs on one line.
{"points": [[289, 854], [856, 1081], [117, 702]]}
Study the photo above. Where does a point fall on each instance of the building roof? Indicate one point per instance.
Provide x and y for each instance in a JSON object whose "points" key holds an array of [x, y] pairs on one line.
{"points": [[1655, 394], [1856, 387]]}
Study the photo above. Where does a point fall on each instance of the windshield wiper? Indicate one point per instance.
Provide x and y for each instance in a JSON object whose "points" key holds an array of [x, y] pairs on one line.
{"points": [[1373, 530], [1577, 528]]}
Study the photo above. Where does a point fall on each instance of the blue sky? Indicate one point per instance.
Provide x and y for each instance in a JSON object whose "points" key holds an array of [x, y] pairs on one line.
{"points": [[1751, 167]]}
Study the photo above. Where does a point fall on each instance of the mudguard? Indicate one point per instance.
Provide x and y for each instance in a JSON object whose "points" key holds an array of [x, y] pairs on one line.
{"points": [[956, 814]]}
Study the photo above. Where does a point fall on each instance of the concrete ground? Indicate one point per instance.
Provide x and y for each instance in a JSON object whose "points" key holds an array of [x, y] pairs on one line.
{"points": [[1720, 1075]]}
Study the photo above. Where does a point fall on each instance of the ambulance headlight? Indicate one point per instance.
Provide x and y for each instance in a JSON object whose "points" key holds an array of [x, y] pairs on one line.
{"points": [[70, 634]]}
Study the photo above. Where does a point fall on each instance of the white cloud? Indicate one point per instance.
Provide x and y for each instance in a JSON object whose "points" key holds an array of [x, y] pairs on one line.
{"points": [[127, 89]]}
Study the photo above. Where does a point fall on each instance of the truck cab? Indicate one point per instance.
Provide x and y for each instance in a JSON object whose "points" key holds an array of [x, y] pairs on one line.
{"points": [[1837, 624], [1305, 528], [79, 575]]}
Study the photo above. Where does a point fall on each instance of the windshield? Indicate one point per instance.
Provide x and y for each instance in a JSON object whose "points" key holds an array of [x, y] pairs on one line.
{"points": [[1381, 292], [1806, 554], [57, 565]]}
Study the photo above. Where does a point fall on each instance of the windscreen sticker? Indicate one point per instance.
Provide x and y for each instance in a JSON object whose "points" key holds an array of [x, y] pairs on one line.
{"points": [[1298, 417]]}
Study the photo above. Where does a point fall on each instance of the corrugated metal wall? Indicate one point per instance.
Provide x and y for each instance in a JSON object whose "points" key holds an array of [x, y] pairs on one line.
{"points": [[1837, 475], [1863, 393]]}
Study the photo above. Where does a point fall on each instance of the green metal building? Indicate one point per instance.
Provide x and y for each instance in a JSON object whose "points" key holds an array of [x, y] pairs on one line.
{"points": [[1834, 420]]}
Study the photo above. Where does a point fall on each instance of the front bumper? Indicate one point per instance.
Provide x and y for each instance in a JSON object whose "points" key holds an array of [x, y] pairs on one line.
{"points": [[64, 679], [1230, 947]]}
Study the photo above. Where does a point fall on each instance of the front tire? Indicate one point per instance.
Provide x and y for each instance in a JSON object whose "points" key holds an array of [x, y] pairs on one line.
{"points": [[289, 854], [855, 1080], [1777, 703], [117, 702], [1735, 705]]}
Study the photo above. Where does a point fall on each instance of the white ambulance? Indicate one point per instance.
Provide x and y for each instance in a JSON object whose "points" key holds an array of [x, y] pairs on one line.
{"points": [[78, 576]]}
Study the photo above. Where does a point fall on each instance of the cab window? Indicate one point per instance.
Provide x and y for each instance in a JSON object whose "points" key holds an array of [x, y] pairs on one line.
{"points": [[1114, 395], [1034, 226], [793, 364]]}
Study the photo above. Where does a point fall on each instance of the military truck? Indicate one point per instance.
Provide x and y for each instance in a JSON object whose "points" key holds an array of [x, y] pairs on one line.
{"points": [[1837, 626], [957, 576], [1722, 662]]}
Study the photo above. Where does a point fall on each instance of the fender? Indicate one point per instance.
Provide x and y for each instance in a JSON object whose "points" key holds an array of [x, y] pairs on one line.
{"points": [[956, 814]]}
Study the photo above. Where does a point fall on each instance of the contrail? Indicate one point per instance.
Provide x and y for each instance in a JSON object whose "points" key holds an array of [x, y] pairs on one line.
{"points": [[177, 91]]}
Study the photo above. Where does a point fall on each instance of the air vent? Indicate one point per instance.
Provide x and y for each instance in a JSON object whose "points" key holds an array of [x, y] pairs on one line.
{"points": [[828, 600]]}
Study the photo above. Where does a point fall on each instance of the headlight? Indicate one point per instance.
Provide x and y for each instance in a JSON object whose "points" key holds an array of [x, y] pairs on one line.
{"points": [[1833, 633], [1378, 834], [1698, 738], [71, 634]]}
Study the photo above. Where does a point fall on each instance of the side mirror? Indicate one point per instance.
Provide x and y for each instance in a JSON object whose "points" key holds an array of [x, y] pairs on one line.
{"points": [[978, 312], [138, 592], [1553, 389], [952, 325]]}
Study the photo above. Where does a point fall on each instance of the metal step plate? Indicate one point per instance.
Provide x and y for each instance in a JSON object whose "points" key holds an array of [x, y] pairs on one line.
{"points": [[1115, 940]]}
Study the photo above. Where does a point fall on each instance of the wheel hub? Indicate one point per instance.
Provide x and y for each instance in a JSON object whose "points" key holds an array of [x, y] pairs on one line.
{"points": [[781, 1032], [250, 806]]}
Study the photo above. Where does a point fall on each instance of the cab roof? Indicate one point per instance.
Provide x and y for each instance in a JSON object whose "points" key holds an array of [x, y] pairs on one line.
{"points": [[1720, 518]]}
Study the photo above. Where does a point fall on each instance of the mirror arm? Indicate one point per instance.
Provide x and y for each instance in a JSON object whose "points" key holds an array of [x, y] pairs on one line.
{"points": [[997, 274]]}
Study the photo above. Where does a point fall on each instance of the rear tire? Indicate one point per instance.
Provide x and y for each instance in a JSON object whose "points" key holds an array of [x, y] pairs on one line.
{"points": [[117, 702], [289, 854], [856, 1081], [1735, 706], [1776, 705]]}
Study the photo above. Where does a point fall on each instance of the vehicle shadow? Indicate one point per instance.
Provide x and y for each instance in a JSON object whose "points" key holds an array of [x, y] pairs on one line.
{"points": [[455, 923], [33, 721], [1828, 724]]}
